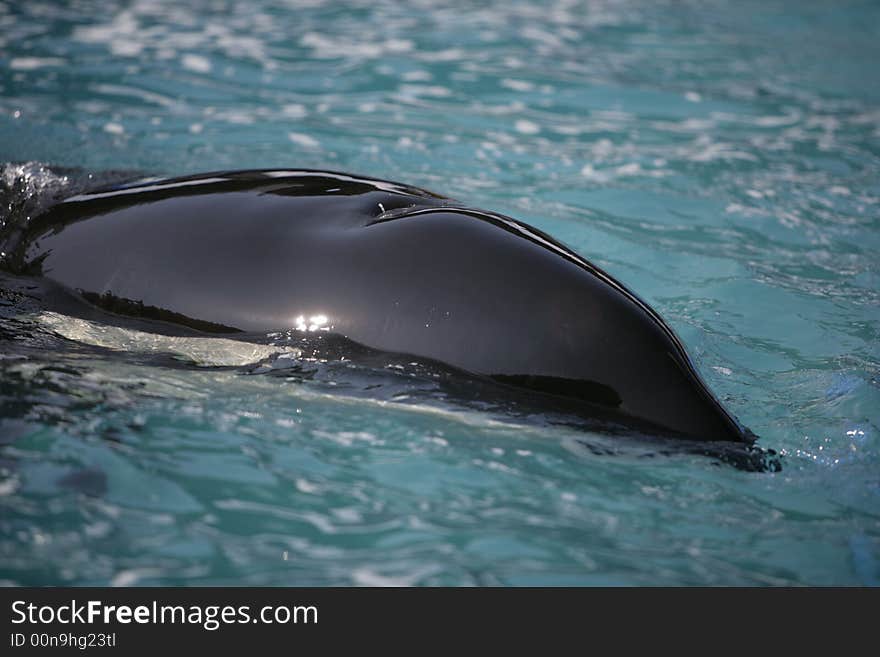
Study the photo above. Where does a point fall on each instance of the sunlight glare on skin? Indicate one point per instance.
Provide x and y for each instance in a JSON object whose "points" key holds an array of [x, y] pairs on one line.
{"points": [[318, 322]]}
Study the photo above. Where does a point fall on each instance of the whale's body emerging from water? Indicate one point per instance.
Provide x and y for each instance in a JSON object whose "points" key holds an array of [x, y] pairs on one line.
{"points": [[389, 266]]}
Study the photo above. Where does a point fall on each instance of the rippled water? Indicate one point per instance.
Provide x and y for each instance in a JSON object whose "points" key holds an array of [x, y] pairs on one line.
{"points": [[721, 158]]}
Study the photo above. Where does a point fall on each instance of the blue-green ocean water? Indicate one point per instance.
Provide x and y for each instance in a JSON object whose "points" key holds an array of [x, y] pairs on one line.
{"points": [[721, 158]]}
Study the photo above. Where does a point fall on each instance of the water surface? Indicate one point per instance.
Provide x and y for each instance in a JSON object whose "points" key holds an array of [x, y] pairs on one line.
{"points": [[720, 158]]}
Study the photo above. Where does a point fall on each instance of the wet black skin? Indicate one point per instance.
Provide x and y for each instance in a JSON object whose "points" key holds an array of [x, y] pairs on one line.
{"points": [[389, 266]]}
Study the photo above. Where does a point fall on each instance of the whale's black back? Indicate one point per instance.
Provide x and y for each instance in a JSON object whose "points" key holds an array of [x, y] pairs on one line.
{"points": [[389, 266]]}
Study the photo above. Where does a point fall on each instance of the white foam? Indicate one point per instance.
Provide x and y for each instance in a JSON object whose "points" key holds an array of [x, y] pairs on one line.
{"points": [[527, 127], [517, 85], [114, 128], [196, 63], [33, 63], [303, 140]]}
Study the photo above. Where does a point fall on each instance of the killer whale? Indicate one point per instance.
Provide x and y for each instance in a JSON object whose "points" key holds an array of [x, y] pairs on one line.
{"points": [[386, 265]]}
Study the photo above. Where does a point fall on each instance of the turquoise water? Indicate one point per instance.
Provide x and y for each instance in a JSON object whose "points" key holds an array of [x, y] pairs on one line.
{"points": [[720, 158]]}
